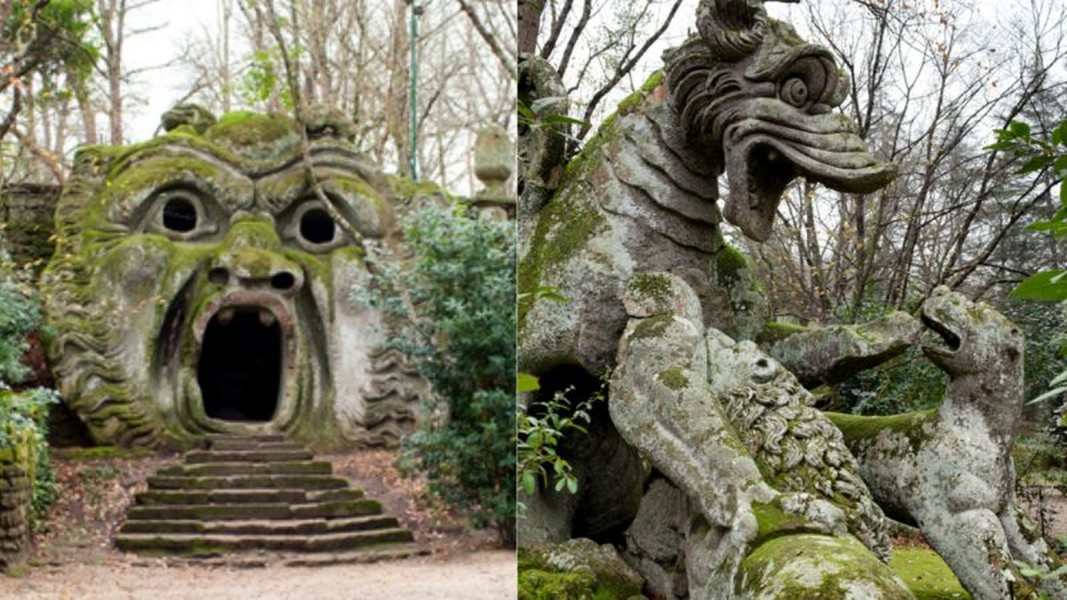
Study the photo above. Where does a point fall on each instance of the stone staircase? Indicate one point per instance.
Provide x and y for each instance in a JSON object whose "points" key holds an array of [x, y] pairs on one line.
{"points": [[256, 493]]}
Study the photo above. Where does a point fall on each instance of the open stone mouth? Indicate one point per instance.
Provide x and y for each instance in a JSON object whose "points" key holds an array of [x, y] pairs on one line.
{"points": [[241, 364], [943, 338]]}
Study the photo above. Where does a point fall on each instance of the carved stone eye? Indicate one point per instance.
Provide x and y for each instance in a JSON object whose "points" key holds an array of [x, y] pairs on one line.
{"points": [[317, 227], [809, 80], [794, 91], [179, 215]]}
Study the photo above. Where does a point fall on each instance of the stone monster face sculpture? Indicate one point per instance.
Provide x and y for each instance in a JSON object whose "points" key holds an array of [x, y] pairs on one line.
{"points": [[199, 285], [760, 98]]}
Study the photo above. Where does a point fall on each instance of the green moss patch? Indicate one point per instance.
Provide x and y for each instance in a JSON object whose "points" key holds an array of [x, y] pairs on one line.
{"points": [[674, 378], [926, 575], [857, 428]]}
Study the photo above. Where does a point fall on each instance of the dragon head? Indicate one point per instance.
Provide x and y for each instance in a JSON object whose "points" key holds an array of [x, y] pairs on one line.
{"points": [[968, 337], [759, 100]]}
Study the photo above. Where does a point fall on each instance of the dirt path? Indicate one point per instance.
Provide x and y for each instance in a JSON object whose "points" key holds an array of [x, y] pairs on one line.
{"points": [[74, 558], [480, 575]]}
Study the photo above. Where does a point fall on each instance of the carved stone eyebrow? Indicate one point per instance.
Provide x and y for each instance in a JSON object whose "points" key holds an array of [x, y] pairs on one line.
{"points": [[128, 190], [353, 196]]}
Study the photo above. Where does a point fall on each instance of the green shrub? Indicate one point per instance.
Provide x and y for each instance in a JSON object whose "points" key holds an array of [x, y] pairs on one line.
{"points": [[452, 312], [24, 414]]}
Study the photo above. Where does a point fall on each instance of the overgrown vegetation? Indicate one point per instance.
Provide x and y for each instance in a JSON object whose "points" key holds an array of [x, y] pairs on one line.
{"points": [[452, 311], [1046, 157], [23, 413]]}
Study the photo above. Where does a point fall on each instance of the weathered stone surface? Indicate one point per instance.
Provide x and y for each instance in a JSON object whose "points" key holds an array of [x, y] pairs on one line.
{"points": [[15, 497], [655, 540], [832, 354], [578, 568], [631, 238], [796, 447], [201, 286], [949, 470], [817, 567], [248, 510]]}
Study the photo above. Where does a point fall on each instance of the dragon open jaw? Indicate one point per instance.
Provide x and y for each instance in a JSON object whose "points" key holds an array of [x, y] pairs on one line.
{"points": [[941, 342], [764, 153]]}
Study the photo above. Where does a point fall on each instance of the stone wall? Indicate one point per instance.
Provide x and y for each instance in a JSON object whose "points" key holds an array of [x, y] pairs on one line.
{"points": [[26, 212], [15, 497]]}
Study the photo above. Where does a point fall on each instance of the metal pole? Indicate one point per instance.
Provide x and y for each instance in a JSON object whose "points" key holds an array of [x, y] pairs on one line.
{"points": [[416, 10]]}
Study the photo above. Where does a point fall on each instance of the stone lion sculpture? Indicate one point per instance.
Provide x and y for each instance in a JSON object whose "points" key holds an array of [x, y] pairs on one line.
{"points": [[199, 285]]}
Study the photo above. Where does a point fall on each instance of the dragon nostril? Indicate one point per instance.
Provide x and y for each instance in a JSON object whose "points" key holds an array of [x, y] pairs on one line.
{"points": [[218, 275], [282, 281]]}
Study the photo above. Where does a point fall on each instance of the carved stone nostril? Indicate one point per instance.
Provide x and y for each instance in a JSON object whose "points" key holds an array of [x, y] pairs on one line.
{"points": [[282, 281], [218, 275]]}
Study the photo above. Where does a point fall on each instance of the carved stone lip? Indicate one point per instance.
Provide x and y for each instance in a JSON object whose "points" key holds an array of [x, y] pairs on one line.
{"points": [[772, 145], [273, 311], [245, 299]]}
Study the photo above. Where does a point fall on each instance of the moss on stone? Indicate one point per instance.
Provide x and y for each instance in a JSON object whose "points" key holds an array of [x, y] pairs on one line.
{"points": [[565, 226], [859, 428], [652, 327], [653, 285], [246, 128], [926, 574], [816, 567], [729, 262], [773, 522], [634, 100], [674, 378], [539, 580], [776, 331]]}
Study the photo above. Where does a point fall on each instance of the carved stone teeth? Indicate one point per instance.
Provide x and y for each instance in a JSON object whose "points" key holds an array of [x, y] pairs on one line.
{"points": [[266, 318], [225, 316]]}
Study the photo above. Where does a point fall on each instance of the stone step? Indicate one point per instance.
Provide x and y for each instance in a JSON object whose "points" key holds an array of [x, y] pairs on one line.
{"points": [[209, 544], [244, 444], [271, 510], [255, 437], [263, 527], [333, 509], [222, 469], [246, 456], [245, 496], [306, 482]]}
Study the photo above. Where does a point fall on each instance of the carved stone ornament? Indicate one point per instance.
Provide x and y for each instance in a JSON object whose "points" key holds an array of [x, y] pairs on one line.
{"points": [[200, 286]]}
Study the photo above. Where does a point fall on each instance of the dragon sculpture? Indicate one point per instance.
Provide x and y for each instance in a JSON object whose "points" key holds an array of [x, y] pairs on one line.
{"points": [[628, 231]]}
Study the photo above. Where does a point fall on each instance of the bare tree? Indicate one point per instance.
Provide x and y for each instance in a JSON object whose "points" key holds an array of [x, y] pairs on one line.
{"points": [[929, 83]]}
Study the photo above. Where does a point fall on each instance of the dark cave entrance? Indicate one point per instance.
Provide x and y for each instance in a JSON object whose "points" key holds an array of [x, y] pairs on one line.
{"points": [[240, 369]]}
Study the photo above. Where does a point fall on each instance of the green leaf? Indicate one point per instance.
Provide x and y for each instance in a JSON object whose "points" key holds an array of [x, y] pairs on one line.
{"points": [[1059, 135], [524, 382], [1019, 129], [1047, 286], [529, 483], [572, 485], [1036, 163], [1060, 165]]}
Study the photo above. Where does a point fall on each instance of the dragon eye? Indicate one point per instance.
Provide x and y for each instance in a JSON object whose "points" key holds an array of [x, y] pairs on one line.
{"points": [[807, 81], [794, 91]]}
